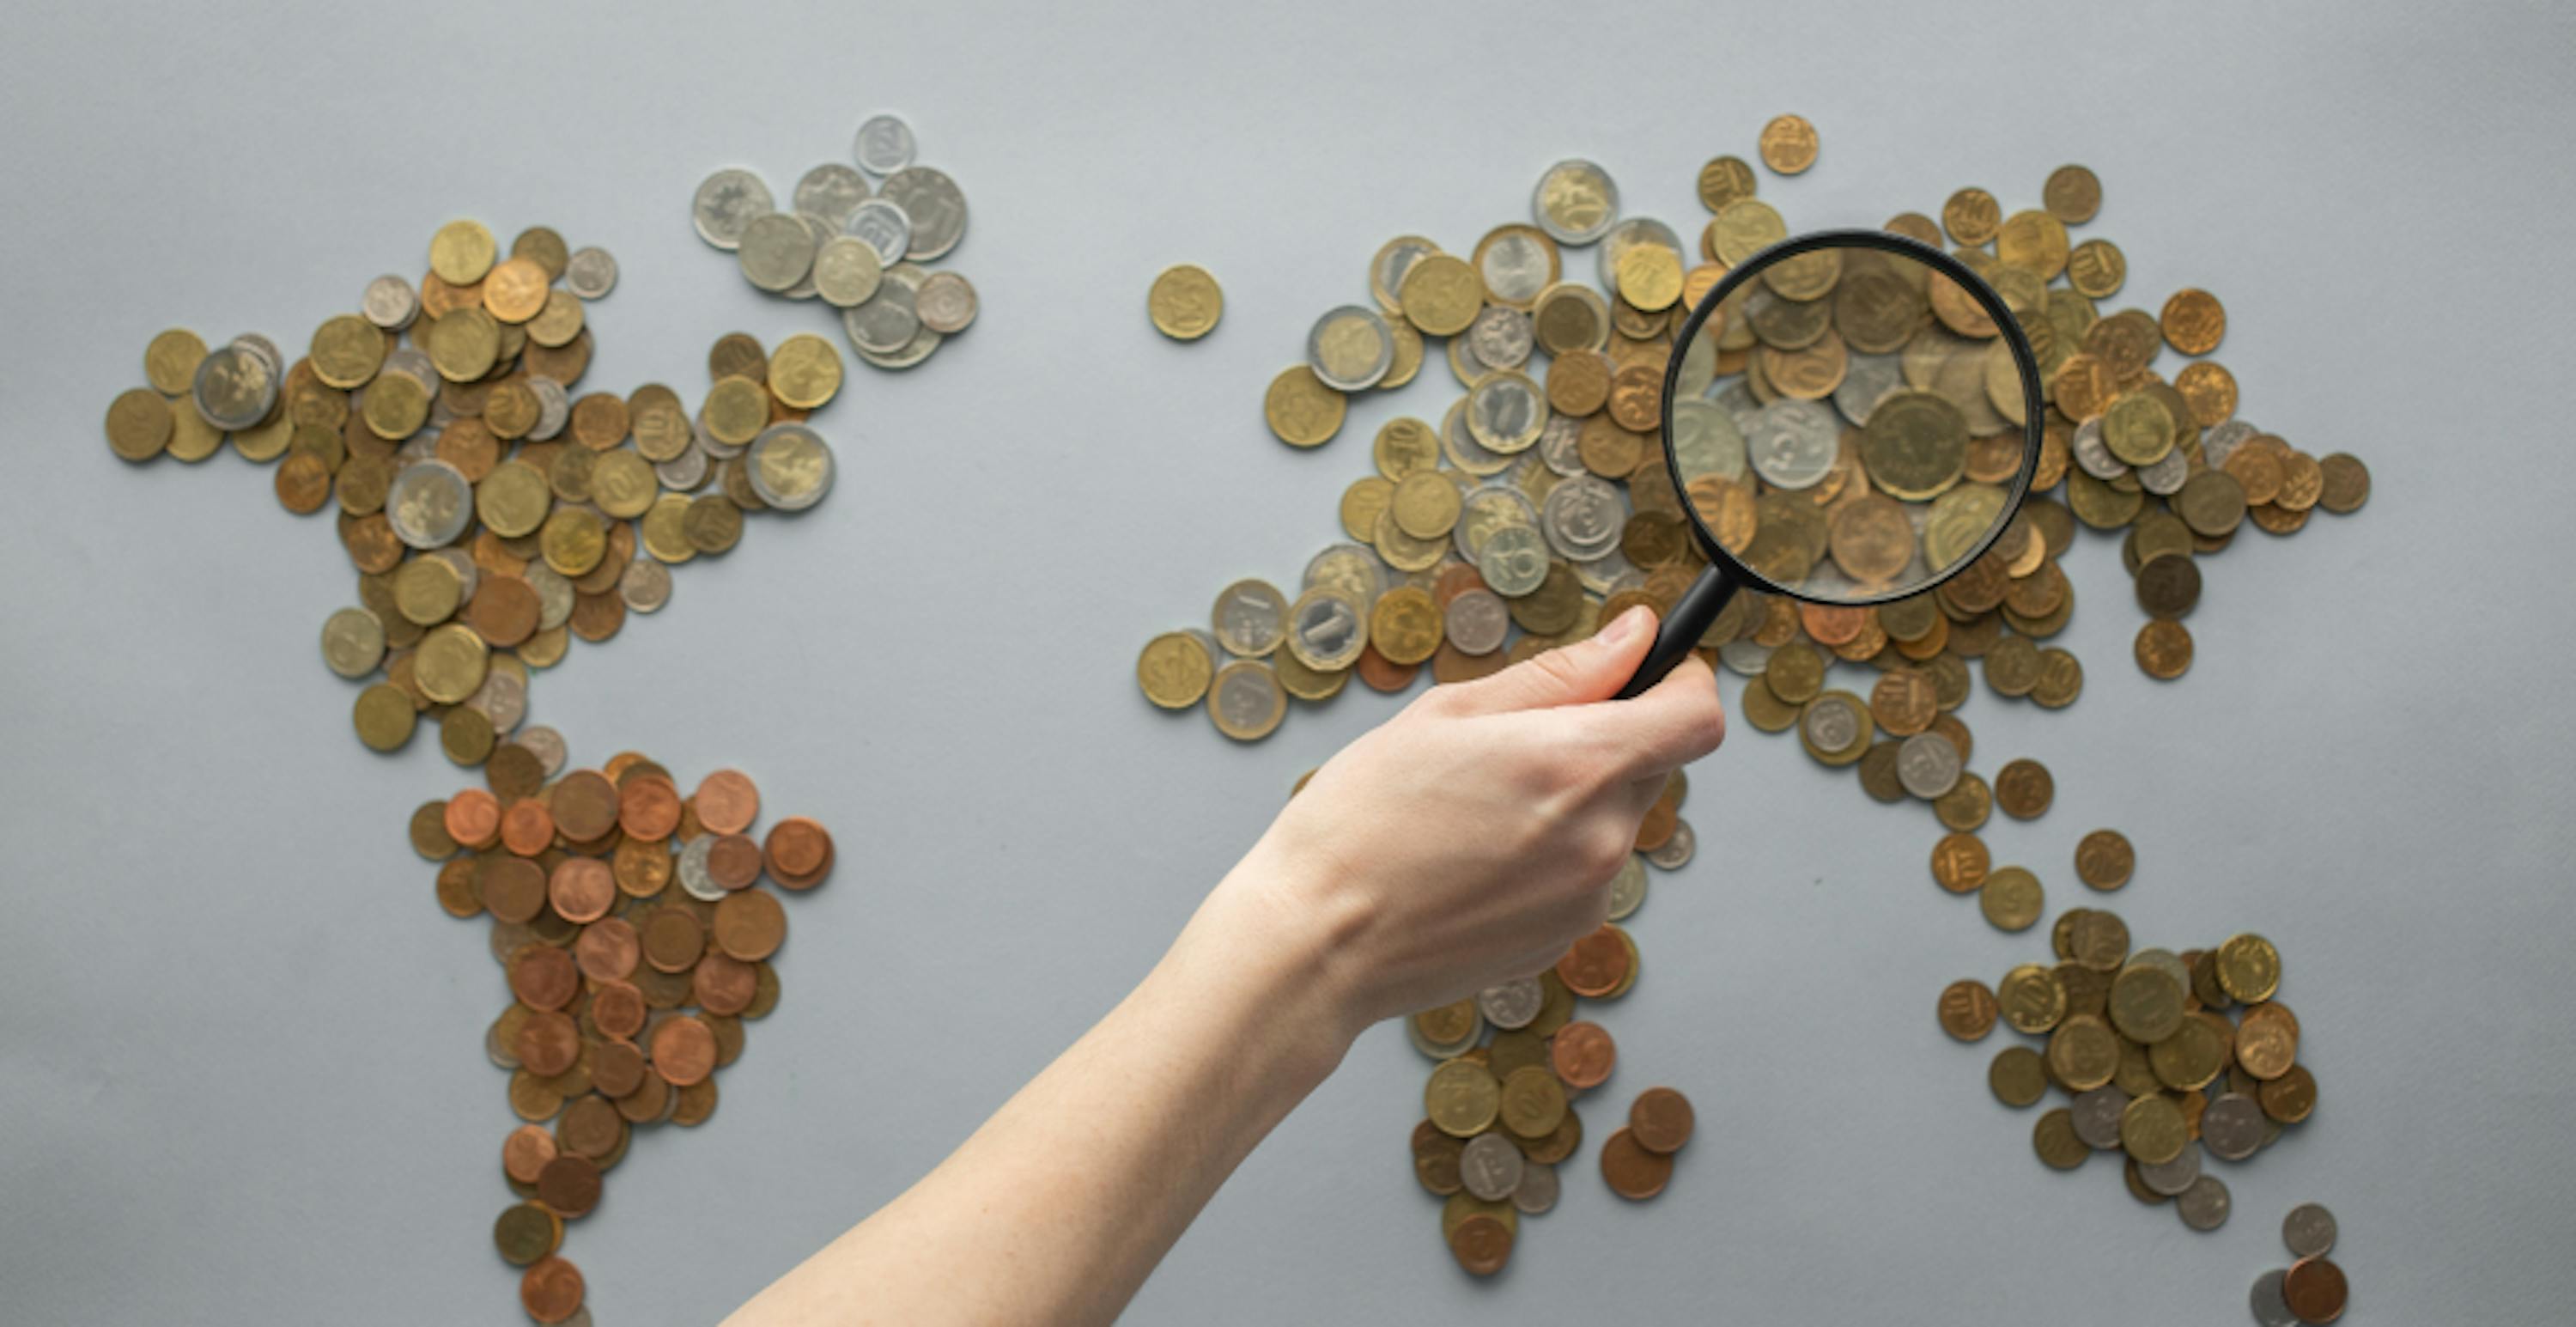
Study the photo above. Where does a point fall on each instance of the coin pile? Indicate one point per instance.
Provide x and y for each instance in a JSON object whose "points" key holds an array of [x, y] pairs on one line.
{"points": [[636, 939], [855, 244], [2311, 1290], [2143, 1045], [491, 515], [1512, 1061]]}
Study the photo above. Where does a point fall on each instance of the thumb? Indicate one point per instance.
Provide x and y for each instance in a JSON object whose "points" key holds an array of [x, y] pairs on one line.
{"points": [[1576, 674]]}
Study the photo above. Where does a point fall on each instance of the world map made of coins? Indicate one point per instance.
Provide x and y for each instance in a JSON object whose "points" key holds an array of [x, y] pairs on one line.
{"points": [[1540, 506]]}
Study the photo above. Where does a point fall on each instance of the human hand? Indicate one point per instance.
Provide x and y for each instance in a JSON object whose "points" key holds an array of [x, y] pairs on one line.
{"points": [[1473, 837]]}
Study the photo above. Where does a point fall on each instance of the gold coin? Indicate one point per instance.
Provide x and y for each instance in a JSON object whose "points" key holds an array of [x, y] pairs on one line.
{"points": [[804, 371], [1174, 670], [2073, 194], [1650, 277], [1426, 504], [2249, 968], [1723, 180], [462, 252], [1405, 625], [1462, 1098], [2017, 1076], [139, 423], [384, 717], [2193, 322], [1972, 216], [450, 663], [1441, 294], [2055, 1140], [1788, 145], [2152, 1130], [1302, 411], [1185, 302], [170, 361], [2011, 898], [2097, 269]]}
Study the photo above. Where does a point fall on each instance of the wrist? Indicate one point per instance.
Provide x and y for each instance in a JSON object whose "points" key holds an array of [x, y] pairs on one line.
{"points": [[1268, 949]]}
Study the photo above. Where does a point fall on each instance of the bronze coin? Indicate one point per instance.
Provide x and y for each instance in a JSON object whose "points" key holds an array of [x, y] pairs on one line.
{"points": [[527, 828], [727, 801], [581, 889], [1481, 1244], [673, 939], [607, 950], [725, 984], [684, 1050], [733, 861], [2104, 859], [526, 1232], [590, 1128], [543, 977], [1558, 1145], [1967, 1009], [649, 808], [1582, 1054], [750, 925], [525, 1152], [616, 1066], [1435, 1159], [646, 1103], [513, 888], [1633, 1172], [2024, 788], [2315, 1290], [617, 1008], [1382, 674], [1960, 863], [585, 805], [1595, 964], [2163, 648], [551, 1290], [549, 1043], [1661, 1119], [472, 818], [459, 891], [798, 849], [569, 1184], [504, 610]]}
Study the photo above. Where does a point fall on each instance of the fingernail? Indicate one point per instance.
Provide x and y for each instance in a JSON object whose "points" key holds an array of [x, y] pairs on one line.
{"points": [[1623, 626]]}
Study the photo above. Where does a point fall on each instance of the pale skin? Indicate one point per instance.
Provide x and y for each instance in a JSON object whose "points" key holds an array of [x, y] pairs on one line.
{"points": [[1465, 842]]}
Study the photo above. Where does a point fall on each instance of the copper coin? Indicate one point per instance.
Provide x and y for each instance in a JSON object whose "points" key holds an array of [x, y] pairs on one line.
{"points": [[1960, 863], [2024, 788], [1435, 1159], [585, 805], [581, 889], [459, 891], [473, 818], [617, 1008], [1594, 964], [1661, 1119], [590, 1127], [1382, 674], [504, 610], [527, 828], [727, 802], [617, 1066], [525, 1152], [646, 1103], [649, 809], [733, 861], [2315, 1289], [548, 1043], [673, 939], [1481, 1244], [684, 1050], [551, 1290], [798, 848], [513, 888], [543, 977], [1633, 1172], [1967, 1009], [724, 984], [607, 950], [569, 1184], [750, 925], [1582, 1054]]}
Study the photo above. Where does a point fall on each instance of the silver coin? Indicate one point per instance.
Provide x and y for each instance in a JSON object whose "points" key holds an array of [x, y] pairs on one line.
{"points": [[821, 230], [1476, 621], [1514, 560], [1516, 266], [1559, 445], [1489, 507], [1577, 225], [390, 303], [2232, 1127], [692, 870], [554, 407], [1491, 1166], [468, 575], [1506, 413], [1745, 657], [726, 203], [884, 144], [1706, 441], [1583, 518], [1537, 1190], [790, 452], [913, 352], [365, 637], [1248, 697], [547, 746], [2204, 1205], [429, 504], [888, 321], [2270, 1308], [776, 251], [645, 585], [2171, 1178], [884, 228], [832, 191], [1350, 348], [591, 272], [1627, 235], [1250, 618], [412, 362], [2091, 454], [1513, 1004], [2309, 1230], [1609, 573], [1676, 851], [502, 699], [946, 303], [235, 372], [554, 595], [1868, 380], [1354, 569], [1439, 1051], [685, 472], [1793, 444], [2166, 476], [1386, 272], [1928, 765], [936, 207], [2097, 1117], [1628, 888], [265, 349], [1464, 452], [1832, 722], [1327, 629], [2221, 442], [1737, 400]]}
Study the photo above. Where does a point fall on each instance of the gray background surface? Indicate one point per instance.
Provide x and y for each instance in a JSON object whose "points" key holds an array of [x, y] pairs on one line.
{"points": [[241, 1057]]}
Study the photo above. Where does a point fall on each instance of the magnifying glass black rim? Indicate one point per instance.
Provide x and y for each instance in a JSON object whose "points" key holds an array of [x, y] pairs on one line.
{"points": [[2033, 410]]}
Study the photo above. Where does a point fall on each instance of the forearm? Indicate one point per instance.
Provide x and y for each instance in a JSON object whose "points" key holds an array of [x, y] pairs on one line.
{"points": [[1058, 1207]]}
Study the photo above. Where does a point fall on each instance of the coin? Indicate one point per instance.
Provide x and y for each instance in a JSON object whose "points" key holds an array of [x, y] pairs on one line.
{"points": [[1788, 144], [1575, 202], [2024, 788], [2314, 1289], [2309, 1230], [1350, 348], [2204, 1205], [884, 144], [2104, 859], [1302, 410], [726, 203], [1185, 302], [1632, 1171], [1967, 1009]]}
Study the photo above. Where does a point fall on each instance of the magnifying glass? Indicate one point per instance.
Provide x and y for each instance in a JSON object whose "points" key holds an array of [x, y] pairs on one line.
{"points": [[1850, 418]]}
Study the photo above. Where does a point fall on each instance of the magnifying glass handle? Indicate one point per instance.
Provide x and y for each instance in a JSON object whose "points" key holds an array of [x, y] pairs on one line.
{"points": [[1682, 628]]}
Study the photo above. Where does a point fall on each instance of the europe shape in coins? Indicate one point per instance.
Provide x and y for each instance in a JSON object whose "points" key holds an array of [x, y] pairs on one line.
{"points": [[635, 938], [493, 511], [854, 235]]}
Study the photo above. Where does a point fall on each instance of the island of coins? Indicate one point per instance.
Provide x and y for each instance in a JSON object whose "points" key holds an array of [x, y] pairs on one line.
{"points": [[2311, 1290], [492, 515], [2166, 1059], [854, 236], [1537, 503], [636, 940]]}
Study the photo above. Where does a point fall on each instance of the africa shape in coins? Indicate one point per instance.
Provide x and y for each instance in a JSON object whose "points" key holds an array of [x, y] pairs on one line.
{"points": [[854, 236], [492, 515], [635, 938]]}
